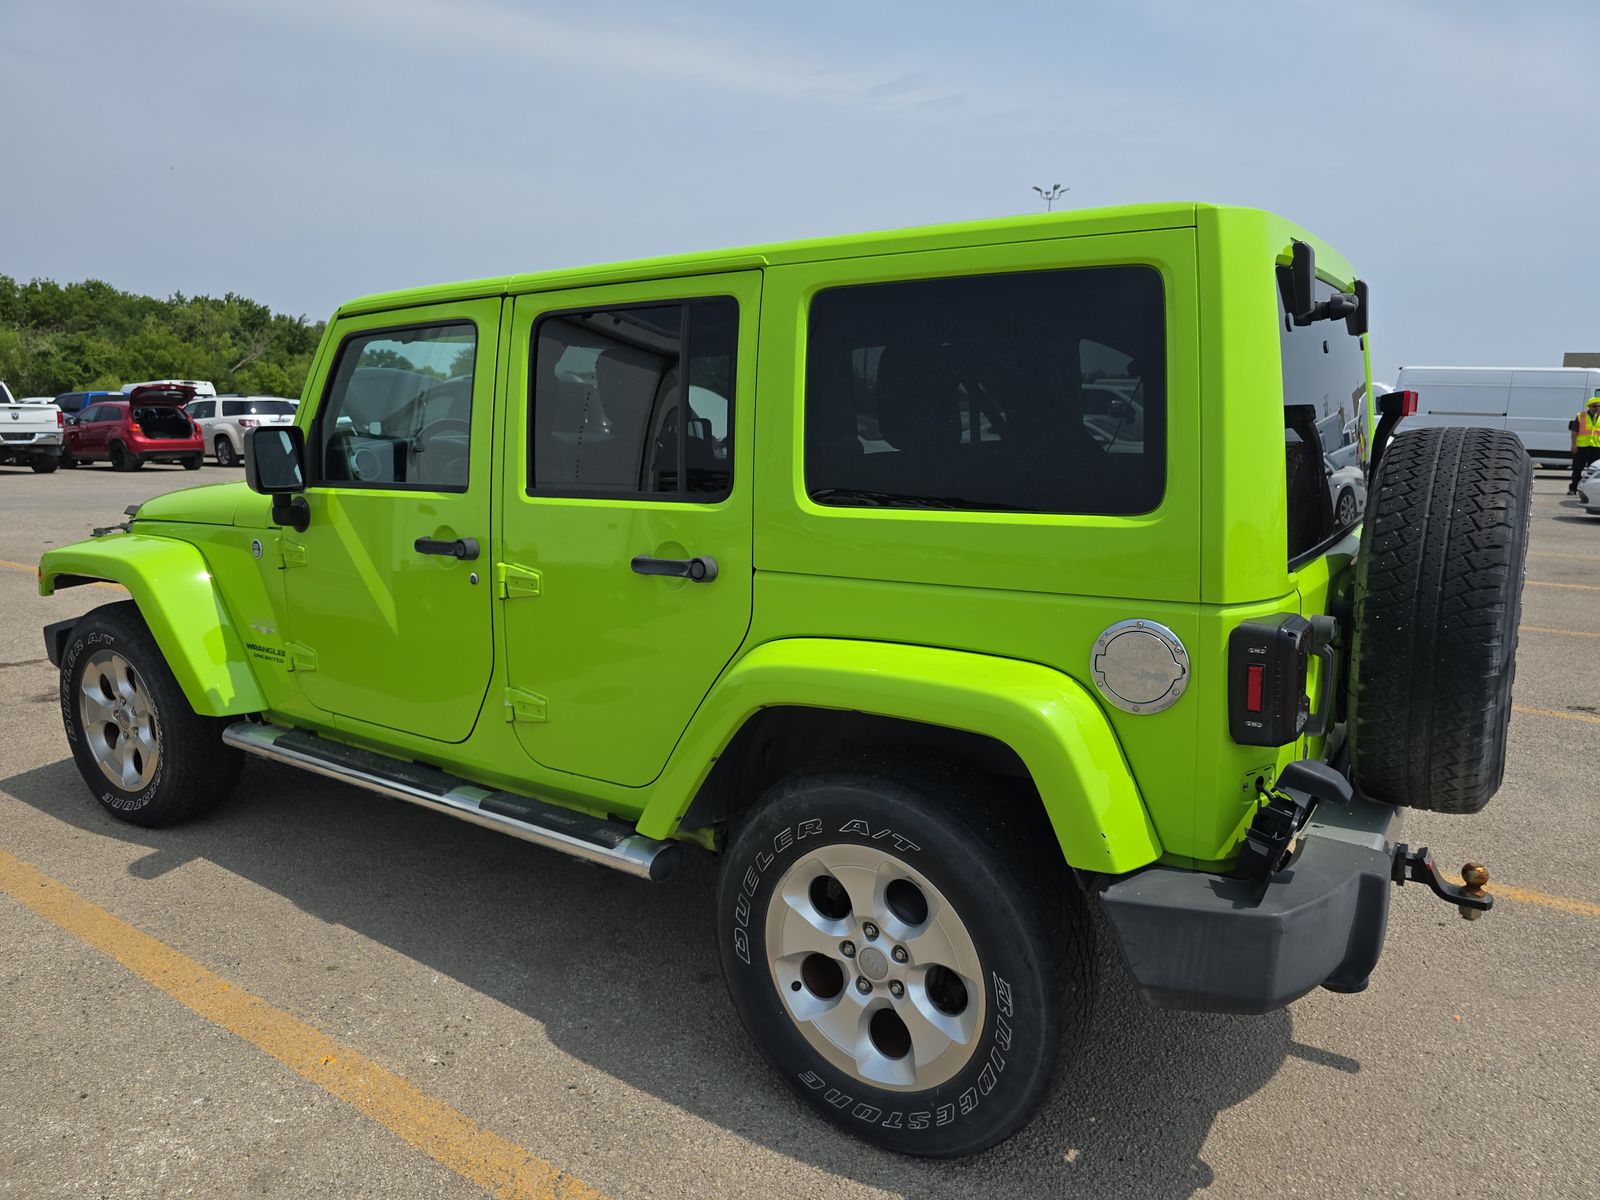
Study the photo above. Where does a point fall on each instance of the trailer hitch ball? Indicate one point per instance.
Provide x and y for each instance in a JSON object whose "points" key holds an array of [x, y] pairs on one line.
{"points": [[1473, 877]]}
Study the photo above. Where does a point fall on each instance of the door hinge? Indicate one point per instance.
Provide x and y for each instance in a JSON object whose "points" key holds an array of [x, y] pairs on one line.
{"points": [[291, 554], [301, 658], [525, 706], [512, 581]]}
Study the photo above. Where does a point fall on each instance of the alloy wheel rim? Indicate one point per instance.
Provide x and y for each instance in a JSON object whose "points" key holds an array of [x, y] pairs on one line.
{"points": [[875, 967], [118, 719]]}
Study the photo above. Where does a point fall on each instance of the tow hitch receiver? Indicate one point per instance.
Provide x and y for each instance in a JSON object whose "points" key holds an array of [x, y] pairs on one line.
{"points": [[1417, 866]]}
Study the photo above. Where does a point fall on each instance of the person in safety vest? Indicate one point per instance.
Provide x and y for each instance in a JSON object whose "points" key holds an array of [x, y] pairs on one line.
{"points": [[1585, 439]]}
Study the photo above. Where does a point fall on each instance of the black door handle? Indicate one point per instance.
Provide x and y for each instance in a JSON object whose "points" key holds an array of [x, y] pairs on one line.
{"points": [[462, 548], [701, 569]]}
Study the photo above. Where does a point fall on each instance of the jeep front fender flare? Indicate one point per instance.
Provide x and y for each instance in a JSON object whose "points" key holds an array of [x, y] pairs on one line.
{"points": [[1048, 718], [171, 583]]}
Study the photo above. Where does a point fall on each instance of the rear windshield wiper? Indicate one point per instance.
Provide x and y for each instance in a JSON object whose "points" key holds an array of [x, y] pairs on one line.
{"points": [[900, 500]]}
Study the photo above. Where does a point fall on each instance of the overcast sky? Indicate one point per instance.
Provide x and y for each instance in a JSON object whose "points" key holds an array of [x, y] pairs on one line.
{"points": [[304, 151]]}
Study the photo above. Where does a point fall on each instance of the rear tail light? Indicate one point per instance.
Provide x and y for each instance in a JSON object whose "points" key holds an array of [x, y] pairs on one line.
{"points": [[1267, 661], [248, 422], [1398, 404], [61, 419]]}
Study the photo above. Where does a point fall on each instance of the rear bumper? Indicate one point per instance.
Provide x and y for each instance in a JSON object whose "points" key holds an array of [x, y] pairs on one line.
{"points": [[1208, 942]]}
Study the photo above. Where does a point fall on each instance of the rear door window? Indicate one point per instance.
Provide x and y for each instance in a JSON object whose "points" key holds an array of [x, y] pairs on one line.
{"points": [[1324, 419], [611, 414], [1041, 391]]}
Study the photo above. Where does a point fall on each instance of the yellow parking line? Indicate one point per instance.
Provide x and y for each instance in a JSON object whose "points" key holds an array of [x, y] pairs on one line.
{"points": [[34, 571], [1577, 587], [1566, 904], [499, 1166], [1560, 632], [1589, 718]]}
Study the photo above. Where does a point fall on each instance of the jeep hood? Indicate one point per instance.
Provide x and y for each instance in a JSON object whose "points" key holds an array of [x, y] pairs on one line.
{"points": [[210, 504]]}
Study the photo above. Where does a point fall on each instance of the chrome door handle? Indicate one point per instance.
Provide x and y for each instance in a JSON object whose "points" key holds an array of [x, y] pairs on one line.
{"points": [[462, 548], [700, 569]]}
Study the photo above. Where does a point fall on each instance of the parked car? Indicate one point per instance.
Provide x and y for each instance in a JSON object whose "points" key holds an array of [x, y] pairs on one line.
{"points": [[149, 425], [931, 650], [1589, 490], [1347, 484], [224, 420], [71, 403], [30, 432], [1535, 403]]}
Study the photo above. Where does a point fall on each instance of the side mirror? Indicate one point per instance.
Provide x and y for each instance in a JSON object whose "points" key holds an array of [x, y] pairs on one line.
{"points": [[69, 420], [274, 465]]}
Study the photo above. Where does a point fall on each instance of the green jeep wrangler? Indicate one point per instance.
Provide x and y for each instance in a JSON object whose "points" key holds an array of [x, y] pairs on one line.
{"points": [[949, 584]]}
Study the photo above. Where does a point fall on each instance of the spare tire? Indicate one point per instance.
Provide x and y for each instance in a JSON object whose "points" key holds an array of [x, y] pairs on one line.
{"points": [[1438, 601]]}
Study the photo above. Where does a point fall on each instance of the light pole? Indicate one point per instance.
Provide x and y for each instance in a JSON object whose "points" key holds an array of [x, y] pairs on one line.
{"points": [[1050, 197]]}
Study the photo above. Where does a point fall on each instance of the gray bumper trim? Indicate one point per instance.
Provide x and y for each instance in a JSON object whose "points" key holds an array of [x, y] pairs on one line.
{"points": [[1208, 942]]}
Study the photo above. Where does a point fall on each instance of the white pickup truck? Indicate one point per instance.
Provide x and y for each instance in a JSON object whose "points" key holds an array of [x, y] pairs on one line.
{"points": [[30, 433]]}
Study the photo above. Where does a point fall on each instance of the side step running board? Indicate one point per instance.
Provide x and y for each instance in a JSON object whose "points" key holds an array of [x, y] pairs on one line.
{"points": [[609, 843]]}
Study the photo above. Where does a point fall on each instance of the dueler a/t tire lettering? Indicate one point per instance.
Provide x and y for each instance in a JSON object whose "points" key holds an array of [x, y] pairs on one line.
{"points": [[1028, 925], [195, 770], [1438, 602]]}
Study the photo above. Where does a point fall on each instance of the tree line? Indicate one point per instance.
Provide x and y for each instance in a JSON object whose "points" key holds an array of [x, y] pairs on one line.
{"points": [[87, 336]]}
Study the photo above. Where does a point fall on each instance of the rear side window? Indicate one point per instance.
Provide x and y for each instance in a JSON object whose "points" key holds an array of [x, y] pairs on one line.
{"points": [[200, 410], [245, 408], [398, 410], [611, 413], [1035, 392], [1324, 425]]}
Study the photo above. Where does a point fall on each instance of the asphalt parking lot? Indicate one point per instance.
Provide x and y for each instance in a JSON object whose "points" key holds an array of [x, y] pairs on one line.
{"points": [[318, 992]]}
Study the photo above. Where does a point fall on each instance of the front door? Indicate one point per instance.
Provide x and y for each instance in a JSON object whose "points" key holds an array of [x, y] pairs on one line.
{"points": [[626, 550], [388, 603]]}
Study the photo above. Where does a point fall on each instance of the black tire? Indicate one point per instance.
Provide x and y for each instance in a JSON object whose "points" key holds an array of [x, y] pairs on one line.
{"points": [[1438, 602], [66, 460], [1345, 512], [194, 770], [994, 868], [45, 465], [121, 460], [225, 455], [193, 462]]}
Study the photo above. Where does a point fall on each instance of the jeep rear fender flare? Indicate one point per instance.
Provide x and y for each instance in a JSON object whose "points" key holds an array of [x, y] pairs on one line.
{"points": [[1049, 720], [171, 583]]}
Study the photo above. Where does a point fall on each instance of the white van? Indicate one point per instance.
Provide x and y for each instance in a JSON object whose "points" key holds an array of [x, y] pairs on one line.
{"points": [[1535, 403]]}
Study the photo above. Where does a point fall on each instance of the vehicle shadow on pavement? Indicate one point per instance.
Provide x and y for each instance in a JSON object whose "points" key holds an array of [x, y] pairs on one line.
{"points": [[1129, 1118]]}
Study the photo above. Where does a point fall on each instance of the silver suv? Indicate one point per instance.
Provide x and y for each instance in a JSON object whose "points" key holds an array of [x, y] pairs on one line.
{"points": [[224, 419]]}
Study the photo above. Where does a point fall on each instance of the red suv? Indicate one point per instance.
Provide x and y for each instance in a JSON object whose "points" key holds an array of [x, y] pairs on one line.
{"points": [[148, 425]]}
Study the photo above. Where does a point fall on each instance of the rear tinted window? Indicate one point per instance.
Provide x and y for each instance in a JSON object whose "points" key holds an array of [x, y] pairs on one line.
{"points": [[1324, 406], [245, 408], [1035, 392]]}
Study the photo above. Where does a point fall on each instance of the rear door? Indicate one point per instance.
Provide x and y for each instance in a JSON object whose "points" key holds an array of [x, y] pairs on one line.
{"points": [[628, 457]]}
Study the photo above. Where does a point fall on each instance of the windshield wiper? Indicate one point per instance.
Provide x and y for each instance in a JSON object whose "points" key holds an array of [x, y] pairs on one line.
{"points": [[899, 500]]}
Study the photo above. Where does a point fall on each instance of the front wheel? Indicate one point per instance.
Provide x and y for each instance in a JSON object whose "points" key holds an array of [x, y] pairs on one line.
{"points": [[146, 755], [905, 954], [1346, 511]]}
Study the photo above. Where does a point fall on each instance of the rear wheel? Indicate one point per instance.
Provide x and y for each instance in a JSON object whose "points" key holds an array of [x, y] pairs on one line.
{"points": [[1438, 602], [225, 455], [121, 460], [904, 951], [193, 462], [146, 755], [45, 464]]}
